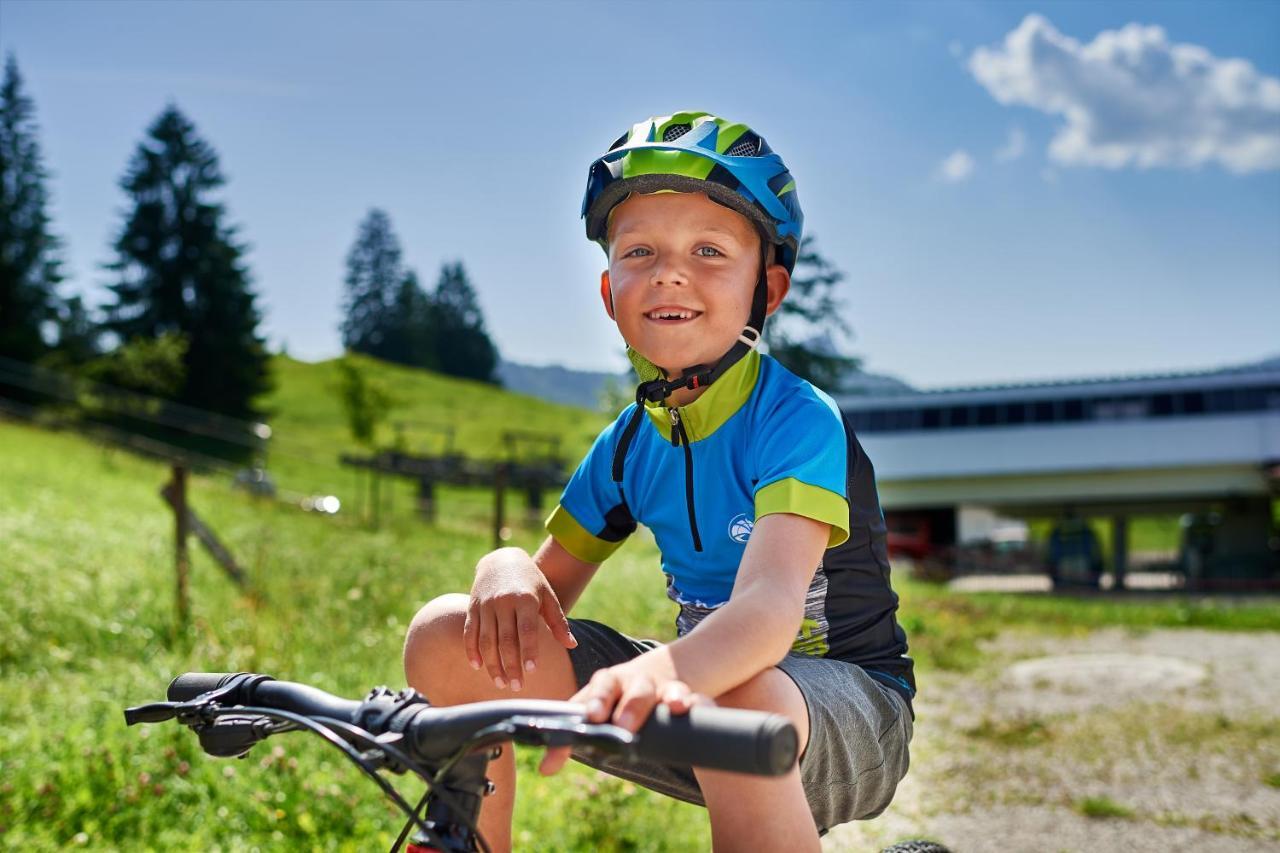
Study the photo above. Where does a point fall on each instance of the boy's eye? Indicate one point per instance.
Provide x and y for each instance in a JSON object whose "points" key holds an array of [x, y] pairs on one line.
{"points": [[702, 250], [633, 252]]}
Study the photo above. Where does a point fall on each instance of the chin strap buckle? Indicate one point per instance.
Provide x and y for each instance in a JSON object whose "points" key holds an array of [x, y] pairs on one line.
{"points": [[751, 340]]}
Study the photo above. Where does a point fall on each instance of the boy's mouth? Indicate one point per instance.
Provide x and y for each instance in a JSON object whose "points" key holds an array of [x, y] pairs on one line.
{"points": [[671, 314]]}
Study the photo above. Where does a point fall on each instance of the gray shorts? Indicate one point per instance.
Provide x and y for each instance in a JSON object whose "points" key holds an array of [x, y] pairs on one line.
{"points": [[858, 731]]}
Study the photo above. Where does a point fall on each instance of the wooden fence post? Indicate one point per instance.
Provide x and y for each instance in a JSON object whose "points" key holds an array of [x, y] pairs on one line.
{"points": [[181, 558], [499, 502]]}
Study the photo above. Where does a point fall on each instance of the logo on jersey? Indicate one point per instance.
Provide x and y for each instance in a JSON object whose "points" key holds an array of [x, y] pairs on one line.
{"points": [[740, 528]]}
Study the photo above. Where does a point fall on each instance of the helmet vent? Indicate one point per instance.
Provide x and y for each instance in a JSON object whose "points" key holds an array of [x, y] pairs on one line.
{"points": [[675, 131], [747, 146]]}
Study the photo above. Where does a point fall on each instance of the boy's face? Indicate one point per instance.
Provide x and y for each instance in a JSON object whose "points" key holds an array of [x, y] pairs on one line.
{"points": [[682, 270]]}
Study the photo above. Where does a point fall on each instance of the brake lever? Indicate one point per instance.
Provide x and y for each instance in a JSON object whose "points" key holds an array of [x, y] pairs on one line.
{"points": [[188, 713], [156, 712], [566, 731]]}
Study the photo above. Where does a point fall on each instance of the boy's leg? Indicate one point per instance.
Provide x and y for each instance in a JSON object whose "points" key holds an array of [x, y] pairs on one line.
{"points": [[762, 812], [436, 665]]}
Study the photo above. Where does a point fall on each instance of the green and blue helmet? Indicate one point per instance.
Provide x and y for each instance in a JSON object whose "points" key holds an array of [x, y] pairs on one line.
{"points": [[698, 152]]}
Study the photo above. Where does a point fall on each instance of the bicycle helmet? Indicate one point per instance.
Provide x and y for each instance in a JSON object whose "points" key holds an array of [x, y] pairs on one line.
{"points": [[734, 166]]}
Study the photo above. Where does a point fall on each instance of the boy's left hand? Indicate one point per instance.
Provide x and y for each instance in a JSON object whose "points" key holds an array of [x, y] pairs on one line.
{"points": [[625, 695]]}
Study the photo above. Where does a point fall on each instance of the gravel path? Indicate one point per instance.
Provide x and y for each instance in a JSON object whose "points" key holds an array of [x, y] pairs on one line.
{"points": [[1170, 739]]}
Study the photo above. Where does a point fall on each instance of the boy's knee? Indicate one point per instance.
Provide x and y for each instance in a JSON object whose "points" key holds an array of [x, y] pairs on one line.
{"points": [[433, 643], [771, 690]]}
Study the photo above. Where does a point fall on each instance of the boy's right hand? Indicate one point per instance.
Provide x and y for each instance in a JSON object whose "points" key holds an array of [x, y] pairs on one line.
{"points": [[509, 596]]}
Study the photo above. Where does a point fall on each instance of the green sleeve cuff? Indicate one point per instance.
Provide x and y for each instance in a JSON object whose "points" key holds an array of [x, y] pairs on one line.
{"points": [[575, 539], [791, 495]]}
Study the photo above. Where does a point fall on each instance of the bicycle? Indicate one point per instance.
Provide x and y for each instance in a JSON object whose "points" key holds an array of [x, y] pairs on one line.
{"points": [[449, 748]]}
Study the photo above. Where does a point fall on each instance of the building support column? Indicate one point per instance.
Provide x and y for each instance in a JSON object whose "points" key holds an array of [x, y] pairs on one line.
{"points": [[1119, 550]]}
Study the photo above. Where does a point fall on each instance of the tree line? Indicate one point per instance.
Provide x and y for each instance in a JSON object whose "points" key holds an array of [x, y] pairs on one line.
{"points": [[183, 320]]}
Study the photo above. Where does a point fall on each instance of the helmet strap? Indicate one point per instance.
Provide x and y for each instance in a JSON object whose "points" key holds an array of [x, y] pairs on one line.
{"points": [[699, 376]]}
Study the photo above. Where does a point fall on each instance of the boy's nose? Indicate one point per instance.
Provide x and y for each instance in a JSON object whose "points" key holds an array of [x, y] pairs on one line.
{"points": [[668, 273]]}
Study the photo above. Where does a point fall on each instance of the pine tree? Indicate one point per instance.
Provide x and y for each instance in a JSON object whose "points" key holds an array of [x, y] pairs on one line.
{"points": [[804, 332], [374, 277], [180, 270], [411, 327], [29, 253], [463, 347]]}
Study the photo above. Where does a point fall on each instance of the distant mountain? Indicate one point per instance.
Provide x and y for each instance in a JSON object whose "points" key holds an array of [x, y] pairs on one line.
{"points": [[584, 387], [878, 384], [558, 384]]}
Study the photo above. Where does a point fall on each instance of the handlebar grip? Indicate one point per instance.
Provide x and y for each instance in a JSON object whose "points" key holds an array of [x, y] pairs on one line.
{"points": [[189, 685], [720, 739]]}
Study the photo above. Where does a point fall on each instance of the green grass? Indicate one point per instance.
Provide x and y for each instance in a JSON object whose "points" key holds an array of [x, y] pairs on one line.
{"points": [[1103, 807], [88, 628], [946, 630], [309, 430]]}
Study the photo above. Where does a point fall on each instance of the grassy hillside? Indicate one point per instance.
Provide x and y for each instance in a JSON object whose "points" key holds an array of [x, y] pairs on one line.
{"points": [[310, 431], [86, 627]]}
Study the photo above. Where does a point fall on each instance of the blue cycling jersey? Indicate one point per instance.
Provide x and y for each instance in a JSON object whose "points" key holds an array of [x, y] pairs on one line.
{"points": [[759, 441]]}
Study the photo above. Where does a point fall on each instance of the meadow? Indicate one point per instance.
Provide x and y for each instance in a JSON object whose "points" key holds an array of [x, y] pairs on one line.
{"points": [[87, 626]]}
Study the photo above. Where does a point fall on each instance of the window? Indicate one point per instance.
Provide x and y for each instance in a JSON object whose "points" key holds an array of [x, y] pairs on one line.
{"points": [[988, 415], [1221, 402], [1116, 409], [1042, 412]]}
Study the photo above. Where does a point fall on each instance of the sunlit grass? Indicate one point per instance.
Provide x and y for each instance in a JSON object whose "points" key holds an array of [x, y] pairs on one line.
{"points": [[88, 628]]}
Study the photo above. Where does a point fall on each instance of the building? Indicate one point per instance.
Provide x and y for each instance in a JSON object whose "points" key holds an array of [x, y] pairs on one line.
{"points": [[1206, 444]]}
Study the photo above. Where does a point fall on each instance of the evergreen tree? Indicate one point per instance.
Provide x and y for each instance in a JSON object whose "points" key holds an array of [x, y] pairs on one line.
{"points": [[29, 253], [374, 278], [804, 332], [411, 332], [179, 270], [463, 347]]}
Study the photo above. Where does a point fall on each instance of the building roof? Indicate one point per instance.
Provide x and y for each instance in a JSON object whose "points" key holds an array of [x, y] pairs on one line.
{"points": [[1265, 371]]}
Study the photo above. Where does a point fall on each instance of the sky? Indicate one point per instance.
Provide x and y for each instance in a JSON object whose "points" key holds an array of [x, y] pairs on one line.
{"points": [[1016, 191]]}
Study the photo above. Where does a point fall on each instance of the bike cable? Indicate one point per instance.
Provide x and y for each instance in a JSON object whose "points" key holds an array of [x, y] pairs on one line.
{"points": [[433, 785], [346, 749]]}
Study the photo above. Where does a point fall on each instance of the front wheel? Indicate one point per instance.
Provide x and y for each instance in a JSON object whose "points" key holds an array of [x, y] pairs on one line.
{"points": [[916, 846]]}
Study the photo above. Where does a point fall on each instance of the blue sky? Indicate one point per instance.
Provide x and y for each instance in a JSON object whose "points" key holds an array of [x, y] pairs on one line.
{"points": [[978, 248]]}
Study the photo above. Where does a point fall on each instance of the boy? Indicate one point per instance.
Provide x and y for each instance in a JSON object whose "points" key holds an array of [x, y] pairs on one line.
{"points": [[760, 498]]}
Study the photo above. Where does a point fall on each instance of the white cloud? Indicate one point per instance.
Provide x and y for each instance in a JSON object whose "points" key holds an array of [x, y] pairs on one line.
{"points": [[1014, 146], [1131, 97], [957, 167]]}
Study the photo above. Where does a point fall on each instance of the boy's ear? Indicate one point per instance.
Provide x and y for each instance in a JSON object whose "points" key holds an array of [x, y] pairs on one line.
{"points": [[777, 284], [606, 294]]}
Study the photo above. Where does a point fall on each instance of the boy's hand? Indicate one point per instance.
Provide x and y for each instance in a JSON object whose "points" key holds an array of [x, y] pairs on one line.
{"points": [[625, 695], [509, 596]]}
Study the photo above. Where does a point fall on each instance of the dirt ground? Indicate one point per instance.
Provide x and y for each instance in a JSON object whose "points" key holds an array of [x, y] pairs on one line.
{"points": [[1117, 740]]}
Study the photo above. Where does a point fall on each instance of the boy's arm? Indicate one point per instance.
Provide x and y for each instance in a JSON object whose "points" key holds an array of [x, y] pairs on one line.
{"points": [[567, 574], [746, 636], [758, 625], [510, 594]]}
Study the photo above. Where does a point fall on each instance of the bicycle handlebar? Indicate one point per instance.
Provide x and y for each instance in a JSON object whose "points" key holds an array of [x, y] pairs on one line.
{"points": [[711, 737]]}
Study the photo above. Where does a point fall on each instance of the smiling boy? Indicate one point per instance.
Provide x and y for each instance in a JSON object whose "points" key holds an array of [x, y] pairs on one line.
{"points": [[759, 496]]}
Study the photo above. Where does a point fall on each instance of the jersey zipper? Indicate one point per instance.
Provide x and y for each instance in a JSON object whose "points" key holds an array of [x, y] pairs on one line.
{"points": [[679, 437]]}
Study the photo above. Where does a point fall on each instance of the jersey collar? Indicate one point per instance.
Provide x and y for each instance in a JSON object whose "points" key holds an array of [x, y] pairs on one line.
{"points": [[717, 404]]}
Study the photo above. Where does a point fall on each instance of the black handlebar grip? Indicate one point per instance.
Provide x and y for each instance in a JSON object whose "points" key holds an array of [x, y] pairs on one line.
{"points": [[189, 685], [720, 739]]}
